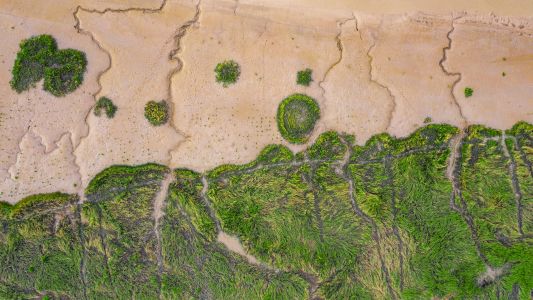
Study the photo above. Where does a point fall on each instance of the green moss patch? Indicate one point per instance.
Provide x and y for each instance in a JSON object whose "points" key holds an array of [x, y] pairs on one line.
{"points": [[227, 72], [64, 72], [304, 77], [468, 92], [297, 115], [105, 104], [39, 58], [156, 112]]}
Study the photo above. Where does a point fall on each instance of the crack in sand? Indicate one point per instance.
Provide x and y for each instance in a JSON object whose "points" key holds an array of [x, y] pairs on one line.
{"points": [[308, 179], [514, 183], [523, 155], [102, 235], [453, 173], [124, 10], [78, 28], [340, 48], [158, 213], [390, 183], [180, 32], [375, 230], [236, 7], [453, 74], [83, 258], [173, 56], [208, 205], [373, 79]]}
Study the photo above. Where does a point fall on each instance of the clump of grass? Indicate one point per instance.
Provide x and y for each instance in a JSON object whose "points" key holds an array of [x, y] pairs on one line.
{"points": [[156, 112], [64, 72], [39, 58], [297, 115], [304, 77], [31, 61], [469, 92], [107, 105], [427, 120], [227, 72]]}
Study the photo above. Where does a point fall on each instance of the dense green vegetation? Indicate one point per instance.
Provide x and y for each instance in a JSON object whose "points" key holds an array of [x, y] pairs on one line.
{"points": [[304, 77], [296, 117], [40, 250], [227, 72], [468, 92], [106, 105], [156, 112], [39, 58], [388, 219]]}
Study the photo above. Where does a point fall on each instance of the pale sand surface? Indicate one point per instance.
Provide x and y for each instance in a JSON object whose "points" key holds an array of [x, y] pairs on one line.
{"points": [[139, 45], [372, 72], [233, 244], [481, 52], [405, 59], [233, 124]]}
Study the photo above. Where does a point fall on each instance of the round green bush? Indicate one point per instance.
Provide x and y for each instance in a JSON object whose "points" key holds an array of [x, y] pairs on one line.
{"points": [[304, 77], [297, 116], [227, 72], [469, 92], [156, 112], [107, 105]]}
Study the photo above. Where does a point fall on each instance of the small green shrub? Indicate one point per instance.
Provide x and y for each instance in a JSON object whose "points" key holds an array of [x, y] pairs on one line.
{"points": [[39, 58], [106, 104], [227, 72], [304, 77], [297, 115], [468, 92], [156, 112]]}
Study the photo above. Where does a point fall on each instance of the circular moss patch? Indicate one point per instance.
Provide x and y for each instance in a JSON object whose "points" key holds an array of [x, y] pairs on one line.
{"points": [[227, 72], [297, 116], [156, 112]]}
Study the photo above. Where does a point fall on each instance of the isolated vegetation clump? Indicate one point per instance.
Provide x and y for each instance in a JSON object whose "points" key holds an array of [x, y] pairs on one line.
{"points": [[297, 115], [39, 58], [227, 72], [64, 72], [32, 59], [469, 92], [304, 77], [156, 112], [106, 105]]}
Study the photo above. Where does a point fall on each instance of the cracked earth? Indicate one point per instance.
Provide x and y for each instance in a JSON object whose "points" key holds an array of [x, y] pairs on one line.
{"points": [[373, 71]]}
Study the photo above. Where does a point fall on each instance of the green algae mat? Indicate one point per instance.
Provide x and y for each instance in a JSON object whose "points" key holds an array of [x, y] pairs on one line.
{"points": [[439, 214]]}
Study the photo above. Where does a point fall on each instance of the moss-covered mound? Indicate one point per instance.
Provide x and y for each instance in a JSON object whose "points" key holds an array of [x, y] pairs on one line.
{"points": [[227, 72], [304, 77], [156, 112], [105, 104], [39, 58], [297, 115]]}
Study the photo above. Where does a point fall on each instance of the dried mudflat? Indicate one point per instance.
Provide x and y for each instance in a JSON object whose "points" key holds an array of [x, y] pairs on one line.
{"points": [[375, 68]]}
